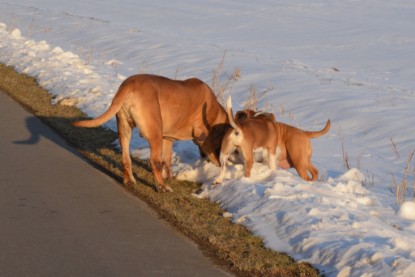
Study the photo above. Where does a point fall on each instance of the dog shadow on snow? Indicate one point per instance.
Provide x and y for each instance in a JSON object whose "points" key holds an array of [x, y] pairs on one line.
{"points": [[42, 128]]}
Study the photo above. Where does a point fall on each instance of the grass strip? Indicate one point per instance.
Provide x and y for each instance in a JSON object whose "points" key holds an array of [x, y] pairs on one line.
{"points": [[230, 245]]}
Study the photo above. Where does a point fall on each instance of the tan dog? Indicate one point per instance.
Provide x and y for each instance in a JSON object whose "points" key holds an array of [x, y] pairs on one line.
{"points": [[164, 110], [246, 135], [294, 148]]}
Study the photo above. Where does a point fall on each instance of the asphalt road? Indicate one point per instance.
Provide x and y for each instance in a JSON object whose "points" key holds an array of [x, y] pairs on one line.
{"points": [[59, 216]]}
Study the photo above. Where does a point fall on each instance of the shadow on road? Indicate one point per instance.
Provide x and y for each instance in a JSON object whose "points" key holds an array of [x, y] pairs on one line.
{"points": [[96, 142]]}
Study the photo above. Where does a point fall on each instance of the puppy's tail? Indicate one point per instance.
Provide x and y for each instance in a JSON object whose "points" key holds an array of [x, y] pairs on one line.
{"points": [[230, 114], [316, 134], [116, 104]]}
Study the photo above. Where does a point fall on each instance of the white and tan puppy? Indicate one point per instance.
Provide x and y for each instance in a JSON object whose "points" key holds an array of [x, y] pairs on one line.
{"points": [[294, 147], [246, 135], [164, 110]]}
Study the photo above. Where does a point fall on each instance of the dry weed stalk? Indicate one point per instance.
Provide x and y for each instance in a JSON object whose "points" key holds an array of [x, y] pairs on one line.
{"points": [[345, 156], [394, 148], [176, 74], [219, 87], [282, 109], [31, 27], [401, 188], [369, 180], [269, 108], [89, 56], [254, 97], [359, 160]]}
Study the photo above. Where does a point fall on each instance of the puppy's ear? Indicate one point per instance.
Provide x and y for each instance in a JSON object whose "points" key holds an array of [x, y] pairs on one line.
{"points": [[240, 115], [250, 113]]}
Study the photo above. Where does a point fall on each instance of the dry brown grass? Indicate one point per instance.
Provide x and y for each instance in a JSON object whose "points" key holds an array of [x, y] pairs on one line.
{"points": [[230, 245], [345, 155], [254, 96], [401, 187], [221, 84]]}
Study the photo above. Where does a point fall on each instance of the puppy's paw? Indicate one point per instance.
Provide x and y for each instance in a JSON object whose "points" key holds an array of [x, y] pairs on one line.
{"points": [[217, 181]]}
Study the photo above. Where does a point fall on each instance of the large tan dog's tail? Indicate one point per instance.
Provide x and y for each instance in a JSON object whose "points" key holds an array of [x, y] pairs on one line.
{"points": [[230, 114], [316, 134], [116, 104]]}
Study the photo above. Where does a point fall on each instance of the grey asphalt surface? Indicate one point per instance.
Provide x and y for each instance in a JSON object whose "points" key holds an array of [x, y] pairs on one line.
{"points": [[59, 216]]}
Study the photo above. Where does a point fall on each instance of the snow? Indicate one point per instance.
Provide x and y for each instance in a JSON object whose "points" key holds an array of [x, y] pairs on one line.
{"points": [[350, 61]]}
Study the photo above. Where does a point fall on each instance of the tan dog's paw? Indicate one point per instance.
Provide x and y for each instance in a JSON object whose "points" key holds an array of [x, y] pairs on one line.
{"points": [[164, 188]]}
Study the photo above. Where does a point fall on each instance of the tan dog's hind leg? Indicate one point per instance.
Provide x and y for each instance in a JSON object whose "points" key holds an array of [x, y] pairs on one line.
{"points": [[302, 171], [313, 171], [310, 166], [299, 162], [248, 154], [124, 135], [302, 168], [153, 133]]}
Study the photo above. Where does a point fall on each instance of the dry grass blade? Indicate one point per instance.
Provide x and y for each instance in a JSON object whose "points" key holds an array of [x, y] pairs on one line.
{"points": [[254, 97], [345, 156], [394, 148], [402, 186], [220, 84]]}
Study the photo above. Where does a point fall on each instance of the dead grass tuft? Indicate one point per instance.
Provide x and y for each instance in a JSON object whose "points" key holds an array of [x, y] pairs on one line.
{"points": [[221, 82], [402, 186], [254, 97]]}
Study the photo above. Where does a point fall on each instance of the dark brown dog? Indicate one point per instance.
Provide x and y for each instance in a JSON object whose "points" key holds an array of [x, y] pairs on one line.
{"points": [[164, 110]]}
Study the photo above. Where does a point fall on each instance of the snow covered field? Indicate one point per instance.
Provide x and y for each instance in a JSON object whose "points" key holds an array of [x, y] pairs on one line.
{"points": [[350, 61]]}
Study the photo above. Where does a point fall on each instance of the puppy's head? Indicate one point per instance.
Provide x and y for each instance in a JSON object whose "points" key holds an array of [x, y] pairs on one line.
{"points": [[245, 114], [250, 114]]}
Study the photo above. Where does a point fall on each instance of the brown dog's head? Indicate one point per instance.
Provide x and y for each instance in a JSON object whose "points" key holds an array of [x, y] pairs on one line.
{"points": [[210, 146]]}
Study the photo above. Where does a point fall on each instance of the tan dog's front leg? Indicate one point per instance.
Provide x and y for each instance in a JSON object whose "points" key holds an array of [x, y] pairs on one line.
{"points": [[157, 165], [167, 154], [272, 161], [227, 149]]}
